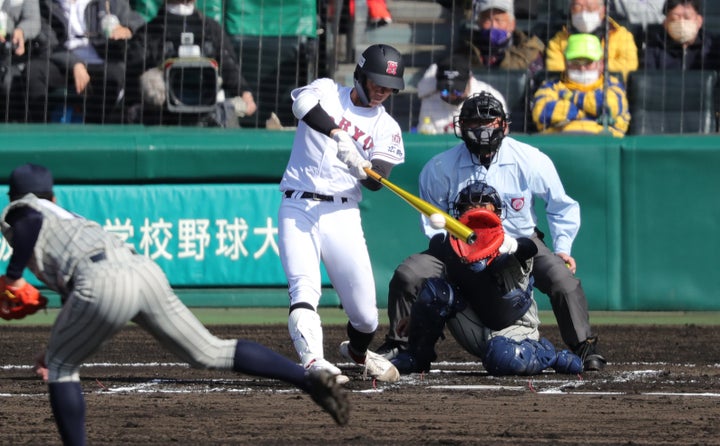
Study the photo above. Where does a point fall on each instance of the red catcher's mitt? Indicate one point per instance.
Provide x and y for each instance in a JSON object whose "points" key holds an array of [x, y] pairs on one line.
{"points": [[489, 232], [18, 302]]}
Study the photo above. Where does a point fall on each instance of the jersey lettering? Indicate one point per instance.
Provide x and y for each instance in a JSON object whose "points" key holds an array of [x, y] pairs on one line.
{"points": [[357, 133]]}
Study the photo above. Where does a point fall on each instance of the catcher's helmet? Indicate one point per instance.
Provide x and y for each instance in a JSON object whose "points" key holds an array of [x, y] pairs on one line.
{"points": [[381, 64], [474, 194], [477, 114]]}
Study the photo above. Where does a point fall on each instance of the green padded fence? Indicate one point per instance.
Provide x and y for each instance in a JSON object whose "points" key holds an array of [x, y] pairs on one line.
{"points": [[649, 206]]}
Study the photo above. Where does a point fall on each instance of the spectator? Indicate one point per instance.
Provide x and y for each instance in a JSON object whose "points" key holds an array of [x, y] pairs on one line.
{"points": [[577, 102], [86, 42], [522, 175], [588, 16], [639, 12], [493, 41], [378, 13], [492, 291], [443, 89], [682, 42], [19, 22], [160, 40]]}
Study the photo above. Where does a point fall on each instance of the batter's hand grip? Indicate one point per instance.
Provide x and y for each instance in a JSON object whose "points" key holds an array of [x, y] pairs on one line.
{"points": [[452, 225]]}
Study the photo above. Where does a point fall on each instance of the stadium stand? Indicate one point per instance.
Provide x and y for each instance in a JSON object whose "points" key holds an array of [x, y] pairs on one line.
{"points": [[514, 86], [672, 102]]}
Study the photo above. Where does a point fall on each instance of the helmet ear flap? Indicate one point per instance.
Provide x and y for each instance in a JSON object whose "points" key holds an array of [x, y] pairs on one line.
{"points": [[359, 82]]}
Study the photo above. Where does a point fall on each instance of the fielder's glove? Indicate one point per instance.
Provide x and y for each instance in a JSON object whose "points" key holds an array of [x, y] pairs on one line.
{"points": [[489, 238], [18, 302], [348, 154]]}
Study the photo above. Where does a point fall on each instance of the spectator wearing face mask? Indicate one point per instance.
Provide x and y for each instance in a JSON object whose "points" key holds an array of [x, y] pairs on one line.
{"points": [[682, 42], [577, 102], [588, 17], [491, 39], [443, 89]]}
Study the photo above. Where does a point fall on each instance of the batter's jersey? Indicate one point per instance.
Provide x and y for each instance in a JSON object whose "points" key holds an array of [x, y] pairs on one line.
{"points": [[314, 165], [520, 173], [64, 240]]}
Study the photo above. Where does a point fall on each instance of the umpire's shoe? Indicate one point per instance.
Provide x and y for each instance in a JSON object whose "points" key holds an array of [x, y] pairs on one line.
{"points": [[328, 394], [587, 351], [391, 348]]}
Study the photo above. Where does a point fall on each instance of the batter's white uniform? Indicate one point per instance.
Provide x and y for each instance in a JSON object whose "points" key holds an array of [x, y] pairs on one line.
{"points": [[328, 227]]}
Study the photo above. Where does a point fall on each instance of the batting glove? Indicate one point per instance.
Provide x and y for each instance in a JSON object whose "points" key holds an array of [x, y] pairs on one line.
{"points": [[509, 245], [348, 154]]}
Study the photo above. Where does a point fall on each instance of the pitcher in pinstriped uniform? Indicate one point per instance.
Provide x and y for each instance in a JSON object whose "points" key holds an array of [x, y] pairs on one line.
{"points": [[103, 285]]}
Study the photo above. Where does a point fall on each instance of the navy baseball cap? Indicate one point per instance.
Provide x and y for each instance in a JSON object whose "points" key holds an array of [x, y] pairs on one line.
{"points": [[30, 178], [453, 74]]}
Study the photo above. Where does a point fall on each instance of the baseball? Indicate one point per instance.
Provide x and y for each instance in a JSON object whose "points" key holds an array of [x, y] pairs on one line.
{"points": [[437, 221]]}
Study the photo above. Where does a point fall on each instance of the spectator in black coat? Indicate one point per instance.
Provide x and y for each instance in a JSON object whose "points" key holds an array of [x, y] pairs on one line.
{"points": [[84, 44], [682, 42]]}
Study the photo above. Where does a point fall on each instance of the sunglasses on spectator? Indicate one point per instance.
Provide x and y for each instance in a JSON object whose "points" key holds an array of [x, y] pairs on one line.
{"points": [[446, 93]]}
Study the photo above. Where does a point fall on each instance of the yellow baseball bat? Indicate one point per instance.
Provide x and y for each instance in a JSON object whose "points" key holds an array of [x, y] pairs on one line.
{"points": [[452, 225]]}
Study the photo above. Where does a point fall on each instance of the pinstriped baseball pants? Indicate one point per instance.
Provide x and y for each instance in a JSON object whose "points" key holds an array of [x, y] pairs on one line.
{"points": [[124, 287]]}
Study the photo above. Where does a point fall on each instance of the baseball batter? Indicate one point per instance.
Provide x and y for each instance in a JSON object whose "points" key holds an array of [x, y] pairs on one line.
{"points": [[341, 132], [103, 285]]}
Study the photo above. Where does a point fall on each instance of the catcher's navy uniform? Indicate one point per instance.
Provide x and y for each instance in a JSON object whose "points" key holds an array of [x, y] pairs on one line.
{"points": [[487, 304], [104, 285]]}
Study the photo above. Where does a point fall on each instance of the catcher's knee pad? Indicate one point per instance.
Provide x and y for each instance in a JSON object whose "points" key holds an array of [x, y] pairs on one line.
{"points": [[505, 356], [437, 297]]}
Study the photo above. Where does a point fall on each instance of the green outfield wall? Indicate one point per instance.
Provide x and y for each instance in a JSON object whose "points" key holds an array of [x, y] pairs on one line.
{"points": [[203, 203]]}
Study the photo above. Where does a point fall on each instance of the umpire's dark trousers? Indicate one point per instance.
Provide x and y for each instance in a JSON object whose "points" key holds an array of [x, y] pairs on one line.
{"points": [[552, 277]]}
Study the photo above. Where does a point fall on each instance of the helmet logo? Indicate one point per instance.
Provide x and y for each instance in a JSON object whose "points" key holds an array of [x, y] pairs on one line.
{"points": [[392, 67], [517, 203], [361, 62]]}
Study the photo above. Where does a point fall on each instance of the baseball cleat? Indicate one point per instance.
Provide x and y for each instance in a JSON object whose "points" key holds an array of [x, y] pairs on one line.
{"points": [[328, 394], [376, 366], [323, 364]]}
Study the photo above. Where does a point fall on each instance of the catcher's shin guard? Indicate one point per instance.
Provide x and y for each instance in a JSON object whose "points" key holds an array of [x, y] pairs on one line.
{"points": [[434, 305]]}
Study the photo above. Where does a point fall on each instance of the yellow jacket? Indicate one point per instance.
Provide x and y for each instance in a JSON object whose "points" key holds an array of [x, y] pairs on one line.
{"points": [[622, 52], [565, 106]]}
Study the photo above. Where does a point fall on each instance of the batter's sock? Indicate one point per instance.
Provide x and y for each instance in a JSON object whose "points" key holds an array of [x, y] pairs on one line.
{"points": [[252, 358], [68, 406], [359, 343]]}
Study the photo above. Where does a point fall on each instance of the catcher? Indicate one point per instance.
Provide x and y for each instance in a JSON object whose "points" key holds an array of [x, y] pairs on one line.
{"points": [[484, 297], [103, 284]]}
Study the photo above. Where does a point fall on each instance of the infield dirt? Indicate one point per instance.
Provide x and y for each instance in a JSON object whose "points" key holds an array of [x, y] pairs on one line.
{"points": [[661, 387]]}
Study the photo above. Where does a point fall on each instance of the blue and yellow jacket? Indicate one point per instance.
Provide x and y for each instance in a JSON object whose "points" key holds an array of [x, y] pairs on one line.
{"points": [[565, 106]]}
